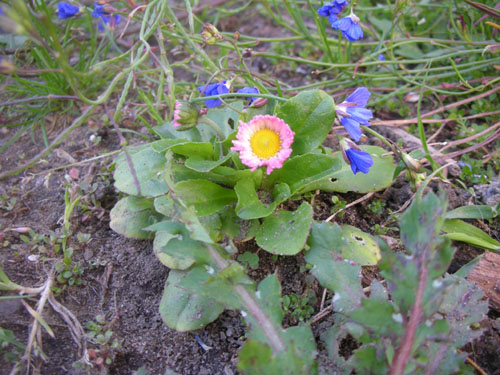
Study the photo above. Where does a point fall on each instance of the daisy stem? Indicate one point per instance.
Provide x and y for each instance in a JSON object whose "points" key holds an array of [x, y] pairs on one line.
{"points": [[214, 126]]}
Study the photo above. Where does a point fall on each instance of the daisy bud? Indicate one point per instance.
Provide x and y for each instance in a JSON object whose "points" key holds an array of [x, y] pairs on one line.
{"points": [[185, 115]]}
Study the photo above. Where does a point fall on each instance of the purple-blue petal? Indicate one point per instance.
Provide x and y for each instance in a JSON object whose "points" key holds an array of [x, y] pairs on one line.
{"points": [[342, 24], [66, 10], [332, 18], [324, 11], [354, 32], [360, 96], [359, 114], [249, 90], [352, 127], [208, 89], [211, 90], [99, 10], [360, 161], [381, 57]]}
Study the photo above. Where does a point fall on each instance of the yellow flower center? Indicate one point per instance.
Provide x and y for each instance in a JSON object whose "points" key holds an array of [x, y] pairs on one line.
{"points": [[265, 143]]}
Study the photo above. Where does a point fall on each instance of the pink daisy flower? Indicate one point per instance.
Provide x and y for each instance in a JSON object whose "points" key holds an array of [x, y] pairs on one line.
{"points": [[264, 141]]}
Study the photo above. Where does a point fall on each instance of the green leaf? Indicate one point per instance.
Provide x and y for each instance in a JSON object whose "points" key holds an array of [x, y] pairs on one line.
{"points": [[268, 296], [236, 228], [219, 175], [164, 205], [285, 232], [174, 247], [359, 246], [482, 212], [249, 205], [202, 165], [379, 177], [165, 144], [310, 115], [332, 271], [421, 223], [303, 172], [183, 310], [131, 214], [459, 230], [249, 258], [206, 197], [463, 305], [255, 358], [203, 150], [148, 167], [203, 280]]}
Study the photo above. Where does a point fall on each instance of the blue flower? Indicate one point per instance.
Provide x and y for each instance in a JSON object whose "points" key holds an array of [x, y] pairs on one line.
{"points": [[381, 57], [349, 26], [249, 90], [359, 160], [66, 10], [105, 18], [352, 112], [99, 10], [214, 89], [331, 10]]}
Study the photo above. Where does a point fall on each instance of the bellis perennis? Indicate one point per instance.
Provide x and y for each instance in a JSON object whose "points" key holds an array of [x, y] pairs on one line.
{"points": [[359, 160], [264, 141], [352, 112]]}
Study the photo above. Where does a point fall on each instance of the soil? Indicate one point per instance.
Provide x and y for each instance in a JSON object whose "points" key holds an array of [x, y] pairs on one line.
{"points": [[123, 281]]}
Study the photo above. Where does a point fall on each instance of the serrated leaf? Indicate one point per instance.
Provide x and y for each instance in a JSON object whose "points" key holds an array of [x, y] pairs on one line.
{"points": [[148, 167], [268, 296], [379, 177], [421, 223], [183, 310], [131, 214], [310, 114], [332, 271], [285, 232]]}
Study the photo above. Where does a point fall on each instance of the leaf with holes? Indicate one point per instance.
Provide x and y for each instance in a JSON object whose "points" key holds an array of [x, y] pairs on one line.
{"points": [[359, 246], [379, 177]]}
